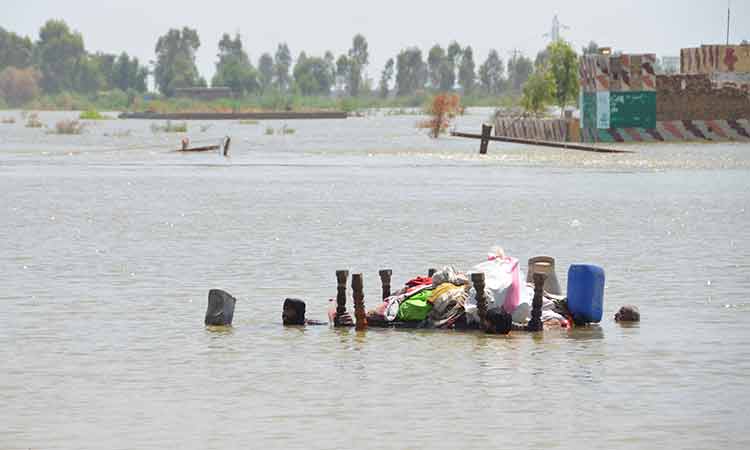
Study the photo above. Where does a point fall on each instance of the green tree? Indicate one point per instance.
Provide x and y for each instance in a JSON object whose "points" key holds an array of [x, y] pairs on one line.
{"points": [[385, 78], [435, 60], [343, 69], [282, 65], [467, 76], [538, 91], [454, 54], [265, 72], [58, 53], [106, 64], [411, 71], [128, 74], [15, 51], [447, 75], [88, 76], [542, 58], [331, 64], [519, 69], [175, 60], [233, 69], [312, 76], [359, 58], [441, 67], [563, 67], [302, 57], [492, 74]]}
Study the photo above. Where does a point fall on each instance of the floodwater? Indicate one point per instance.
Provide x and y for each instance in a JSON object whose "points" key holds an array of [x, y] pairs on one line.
{"points": [[109, 244]]}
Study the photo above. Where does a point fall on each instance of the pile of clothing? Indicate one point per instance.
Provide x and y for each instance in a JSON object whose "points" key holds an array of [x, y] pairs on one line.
{"points": [[430, 302], [447, 300]]}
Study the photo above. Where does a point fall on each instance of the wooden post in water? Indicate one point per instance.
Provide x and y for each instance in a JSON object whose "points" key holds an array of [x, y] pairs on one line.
{"points": [[385, 280], [486, 131], [359, 302], [341, 277], [535, 324], [431, 272], [227, 143], [478, 280]]}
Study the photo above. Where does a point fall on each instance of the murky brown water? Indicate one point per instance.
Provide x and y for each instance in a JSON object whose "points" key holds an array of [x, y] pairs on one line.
{"points": [[109, 245]]}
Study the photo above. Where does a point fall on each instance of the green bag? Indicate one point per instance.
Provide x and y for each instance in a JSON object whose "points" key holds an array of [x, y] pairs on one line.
{"points": [[416, 308]]}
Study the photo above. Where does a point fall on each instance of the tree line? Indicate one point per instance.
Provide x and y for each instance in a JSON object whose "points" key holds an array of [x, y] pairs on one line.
{"points": [[408, 73], [57, 61]]}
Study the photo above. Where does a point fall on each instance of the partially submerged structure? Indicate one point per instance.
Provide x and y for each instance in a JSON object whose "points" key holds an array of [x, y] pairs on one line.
{"points": [[623, 99]]}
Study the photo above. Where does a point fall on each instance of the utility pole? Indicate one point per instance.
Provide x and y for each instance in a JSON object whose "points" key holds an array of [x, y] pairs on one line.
{"points": [[729, 18]]}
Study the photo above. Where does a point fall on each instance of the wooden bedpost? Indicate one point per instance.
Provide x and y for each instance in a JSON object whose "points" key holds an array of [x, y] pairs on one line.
{"points": [[385, 280], [341, 277], [359, 302], [535, 324], [478, 280]]}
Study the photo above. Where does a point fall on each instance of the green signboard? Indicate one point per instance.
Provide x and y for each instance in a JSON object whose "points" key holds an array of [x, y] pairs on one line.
{"points": [[588, 110], [633, 110]]}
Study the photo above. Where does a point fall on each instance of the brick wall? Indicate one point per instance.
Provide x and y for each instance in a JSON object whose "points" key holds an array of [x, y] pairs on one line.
{"points": [[695, 97]]}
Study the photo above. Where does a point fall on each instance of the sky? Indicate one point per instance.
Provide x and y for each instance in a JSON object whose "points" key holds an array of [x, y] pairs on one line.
{"points": [[636, 26]]}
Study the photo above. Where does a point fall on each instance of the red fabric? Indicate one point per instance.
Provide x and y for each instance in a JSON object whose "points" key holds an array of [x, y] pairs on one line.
{"points": [[419, 281]]}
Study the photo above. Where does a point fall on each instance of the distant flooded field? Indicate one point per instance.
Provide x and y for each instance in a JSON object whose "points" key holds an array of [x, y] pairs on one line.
{"points": [[110, 241]]}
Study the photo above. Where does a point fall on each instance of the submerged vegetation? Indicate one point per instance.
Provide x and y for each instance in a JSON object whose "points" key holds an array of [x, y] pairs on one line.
{"points": [[169, 127], [442, 110], [32, 121], [93, 114], [69, 126], [284, 131], [120, 134]]}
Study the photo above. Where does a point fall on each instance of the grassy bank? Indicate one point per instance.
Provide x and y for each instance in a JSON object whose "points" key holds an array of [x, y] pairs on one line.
{"points": [[131, 102]]}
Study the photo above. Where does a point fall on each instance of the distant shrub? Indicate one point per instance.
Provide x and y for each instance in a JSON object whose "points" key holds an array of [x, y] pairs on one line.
{"points": [[169, 127], [18, 86], [284, 130], [275, 101], [69, 126], [32, 121], [120, 134], [93, 114], [114, 100], [64, 101]]}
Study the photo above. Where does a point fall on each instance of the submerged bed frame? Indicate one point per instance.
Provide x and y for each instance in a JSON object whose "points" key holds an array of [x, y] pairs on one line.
{"points": [[535, 325]]}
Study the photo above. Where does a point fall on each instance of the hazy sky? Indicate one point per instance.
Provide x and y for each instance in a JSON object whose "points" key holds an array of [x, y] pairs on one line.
{"points": [[659, 26]]}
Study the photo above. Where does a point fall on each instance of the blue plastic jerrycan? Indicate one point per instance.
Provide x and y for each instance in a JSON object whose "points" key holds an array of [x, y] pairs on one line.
{"points": [[586, 293]]}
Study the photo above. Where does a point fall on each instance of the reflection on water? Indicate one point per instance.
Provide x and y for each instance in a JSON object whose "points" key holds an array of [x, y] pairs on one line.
{"points": [[110, 244]]}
